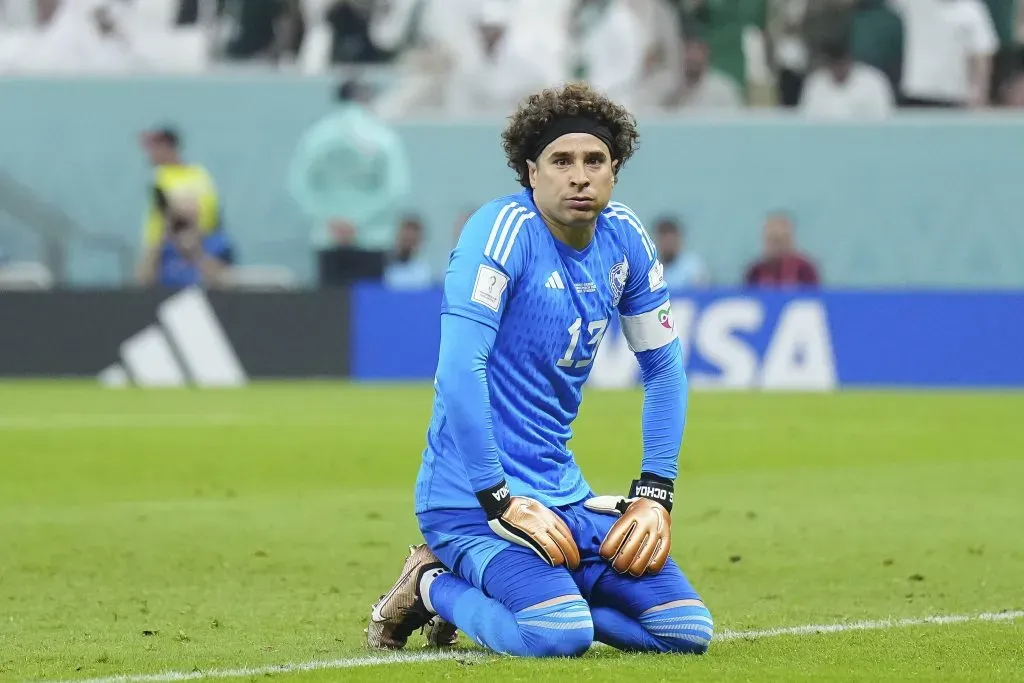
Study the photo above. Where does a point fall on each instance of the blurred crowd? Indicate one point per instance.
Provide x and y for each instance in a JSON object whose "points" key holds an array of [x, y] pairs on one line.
{"points": [[848, 58], [350, 175]]}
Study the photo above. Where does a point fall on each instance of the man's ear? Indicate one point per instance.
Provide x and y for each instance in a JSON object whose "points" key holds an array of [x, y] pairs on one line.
{"points": [[531, 167]]}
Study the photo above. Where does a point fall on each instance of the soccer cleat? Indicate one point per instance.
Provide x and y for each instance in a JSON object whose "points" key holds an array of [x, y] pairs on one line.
{"points": [[440, 633], [401, 611]]}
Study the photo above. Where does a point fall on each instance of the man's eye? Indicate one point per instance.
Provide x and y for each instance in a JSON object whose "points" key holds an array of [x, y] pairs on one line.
{"points": [[561, 162]]}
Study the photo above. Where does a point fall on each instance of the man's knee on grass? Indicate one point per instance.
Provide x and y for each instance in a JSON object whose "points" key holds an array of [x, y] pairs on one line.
{"points": [[683, 626], [561, 627]]}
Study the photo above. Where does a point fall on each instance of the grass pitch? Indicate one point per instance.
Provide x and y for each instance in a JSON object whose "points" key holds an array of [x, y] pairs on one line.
{"points": [[187, 531]]}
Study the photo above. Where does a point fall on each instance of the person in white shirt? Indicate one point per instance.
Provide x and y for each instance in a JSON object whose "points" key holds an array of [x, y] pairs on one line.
{"points": [[83, 37], [703, 88], [661, 74], [611, 43], [501, 61], [844, 89], [948, 52]]}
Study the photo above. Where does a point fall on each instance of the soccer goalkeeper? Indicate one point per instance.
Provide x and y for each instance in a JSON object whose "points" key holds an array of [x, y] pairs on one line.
{"points": [[520, 554]]}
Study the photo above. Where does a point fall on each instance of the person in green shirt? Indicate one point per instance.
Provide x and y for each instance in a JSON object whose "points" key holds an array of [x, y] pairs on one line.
{"points": [[876, 38], [350, 174], [722, 24]]}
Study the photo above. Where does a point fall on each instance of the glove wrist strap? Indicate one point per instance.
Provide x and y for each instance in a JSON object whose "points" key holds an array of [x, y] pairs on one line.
{"points": [[495, 500], [653, 487]]}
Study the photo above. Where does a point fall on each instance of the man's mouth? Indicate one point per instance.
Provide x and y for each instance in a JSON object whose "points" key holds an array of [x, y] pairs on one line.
{"points": [[581, 202]]}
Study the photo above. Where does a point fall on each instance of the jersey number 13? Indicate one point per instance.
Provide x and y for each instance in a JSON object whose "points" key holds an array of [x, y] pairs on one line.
{"points": [[595, 331]]}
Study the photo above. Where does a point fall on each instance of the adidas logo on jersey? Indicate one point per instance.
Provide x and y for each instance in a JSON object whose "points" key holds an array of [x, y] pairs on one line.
{"points": [[555, 281]]}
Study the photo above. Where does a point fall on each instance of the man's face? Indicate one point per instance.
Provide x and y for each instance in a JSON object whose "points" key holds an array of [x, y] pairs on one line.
{"points": [[840, 69], [695, 60], [572, 180], [104, 21], [778, 237], [159, 150], [491, 35], [409, 235], [669, 241]]}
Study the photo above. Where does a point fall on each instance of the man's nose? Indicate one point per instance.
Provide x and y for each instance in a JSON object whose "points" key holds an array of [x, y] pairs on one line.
{"points": [[579, 177]]}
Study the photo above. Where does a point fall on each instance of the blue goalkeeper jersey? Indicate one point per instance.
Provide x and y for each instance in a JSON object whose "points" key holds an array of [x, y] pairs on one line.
{"points": [[541, 308]]}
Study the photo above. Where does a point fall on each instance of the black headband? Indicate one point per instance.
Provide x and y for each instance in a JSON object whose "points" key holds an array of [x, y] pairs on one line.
{"points": [[573, 124]]}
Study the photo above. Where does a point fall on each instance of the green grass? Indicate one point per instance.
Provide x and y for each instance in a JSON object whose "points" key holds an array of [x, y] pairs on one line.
{"points": [[142, 532]]}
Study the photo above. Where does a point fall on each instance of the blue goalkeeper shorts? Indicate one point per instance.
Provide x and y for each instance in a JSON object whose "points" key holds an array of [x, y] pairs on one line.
{"points": [[464, 542]]}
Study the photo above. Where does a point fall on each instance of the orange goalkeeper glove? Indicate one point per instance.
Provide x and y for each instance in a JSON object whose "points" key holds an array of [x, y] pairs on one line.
{"points": [[526, 522], [639, 542]]}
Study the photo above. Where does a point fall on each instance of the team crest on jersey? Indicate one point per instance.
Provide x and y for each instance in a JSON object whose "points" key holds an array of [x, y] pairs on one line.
{"points": [[617, 279]]}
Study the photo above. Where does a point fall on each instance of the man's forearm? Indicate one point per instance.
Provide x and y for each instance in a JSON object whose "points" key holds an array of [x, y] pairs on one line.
{"points": [[664, 410], [462, 383]]}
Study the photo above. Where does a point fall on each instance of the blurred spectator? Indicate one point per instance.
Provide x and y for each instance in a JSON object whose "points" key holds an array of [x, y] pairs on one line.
{"points": [[788, 52], [185, 255], [877, 38], [683, 268], [844, 89], [703, 87], [1006, 15], [190, 12], [407, 268], [595, 25], [350, 26], [724, 24], [500, 62], [264, 29], [1013, 91], [174, 177], [948, 53], [781, 264], [88, 36], [350, 175], [660, 74]]}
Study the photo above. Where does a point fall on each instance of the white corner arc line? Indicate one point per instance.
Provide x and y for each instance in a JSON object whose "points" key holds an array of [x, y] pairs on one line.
{"points": [[476, 655]]}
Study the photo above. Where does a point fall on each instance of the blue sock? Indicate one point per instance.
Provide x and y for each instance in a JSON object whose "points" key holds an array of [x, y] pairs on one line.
{"points": [[614, 628], [561, 630], [486, 621], [683, 628]]}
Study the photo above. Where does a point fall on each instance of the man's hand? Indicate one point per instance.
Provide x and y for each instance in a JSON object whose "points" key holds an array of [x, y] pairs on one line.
{"points": [[640, 541], [343, 231], [526, 522]]}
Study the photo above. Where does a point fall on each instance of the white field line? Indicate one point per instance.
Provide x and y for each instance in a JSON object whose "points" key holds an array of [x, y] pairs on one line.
{"points": [[472, 655]]}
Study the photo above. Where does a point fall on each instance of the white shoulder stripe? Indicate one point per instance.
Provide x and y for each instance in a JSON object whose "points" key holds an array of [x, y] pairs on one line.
{"points": [[515, 233], [497, 225], [644, 237], [622, 211], [622, 208], [506, 227]]}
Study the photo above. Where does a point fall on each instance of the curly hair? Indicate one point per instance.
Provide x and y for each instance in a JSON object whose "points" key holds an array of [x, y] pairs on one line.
{"points": [[537, 112]]}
